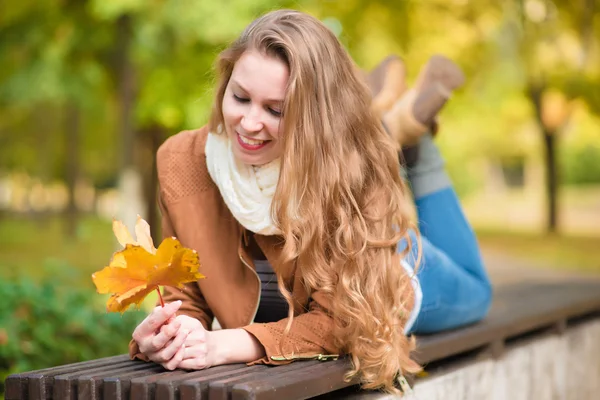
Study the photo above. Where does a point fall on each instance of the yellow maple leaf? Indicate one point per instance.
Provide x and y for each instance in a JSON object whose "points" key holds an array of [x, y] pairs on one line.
{"points": [[140, 268]]}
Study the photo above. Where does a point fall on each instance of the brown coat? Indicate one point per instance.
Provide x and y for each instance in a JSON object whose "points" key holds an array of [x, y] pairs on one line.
{"points": [[194, 211]]}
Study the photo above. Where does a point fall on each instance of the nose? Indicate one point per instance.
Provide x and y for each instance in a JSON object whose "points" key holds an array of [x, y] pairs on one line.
{"points": [[251, 121]]}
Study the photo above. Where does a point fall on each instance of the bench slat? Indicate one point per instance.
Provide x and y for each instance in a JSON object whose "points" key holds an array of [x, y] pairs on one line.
{"points": [[221, 388], [143, 388], [518, 310], [37, 385], [169, 388], [195, 387], [65, 385], [296, 384], [118, 388], [89, 386]]}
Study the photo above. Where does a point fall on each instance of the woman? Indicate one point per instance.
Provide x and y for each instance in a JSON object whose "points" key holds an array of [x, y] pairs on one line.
{"points": [[295, 178]]}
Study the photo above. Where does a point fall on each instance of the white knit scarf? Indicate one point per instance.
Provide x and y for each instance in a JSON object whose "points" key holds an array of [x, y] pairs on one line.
{"points": [[247, 190]]}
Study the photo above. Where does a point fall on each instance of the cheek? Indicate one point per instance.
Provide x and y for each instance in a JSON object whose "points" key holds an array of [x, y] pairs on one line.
{"points": [[274, 128], [231, 113]]}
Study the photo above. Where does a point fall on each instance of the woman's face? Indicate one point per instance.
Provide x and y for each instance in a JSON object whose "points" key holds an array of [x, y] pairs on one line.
{"points": [[253, 105]]}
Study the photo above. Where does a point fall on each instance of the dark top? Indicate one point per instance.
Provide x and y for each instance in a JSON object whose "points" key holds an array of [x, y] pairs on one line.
{"points": [[272, 305]]}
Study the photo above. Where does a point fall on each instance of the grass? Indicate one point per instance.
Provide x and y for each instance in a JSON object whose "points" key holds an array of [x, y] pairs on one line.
{"points": [[77, 327], [513, 221], [567, 252], [518, 210], [39, 250]]}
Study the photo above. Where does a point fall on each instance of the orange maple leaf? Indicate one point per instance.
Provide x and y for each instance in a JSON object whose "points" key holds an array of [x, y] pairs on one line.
{"points": [[140, 268]]}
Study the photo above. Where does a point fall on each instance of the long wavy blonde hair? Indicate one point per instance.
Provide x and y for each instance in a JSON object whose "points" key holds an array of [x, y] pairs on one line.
{"points": [[340, 202]]}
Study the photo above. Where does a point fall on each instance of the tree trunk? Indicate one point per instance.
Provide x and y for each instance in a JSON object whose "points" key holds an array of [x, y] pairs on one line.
{"points": [[586, 32], [71, 166], [43, 124], [550, 162], [152, 138], [126, 84], [130, 182], [551, 180]]}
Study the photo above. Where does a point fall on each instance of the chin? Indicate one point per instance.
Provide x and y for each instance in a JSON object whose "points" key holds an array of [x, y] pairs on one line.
{"points": [[244, 157], [248, 159]]}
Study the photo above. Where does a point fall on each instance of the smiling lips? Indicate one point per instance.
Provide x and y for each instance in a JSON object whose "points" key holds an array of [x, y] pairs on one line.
{"points": [[251, 144]]}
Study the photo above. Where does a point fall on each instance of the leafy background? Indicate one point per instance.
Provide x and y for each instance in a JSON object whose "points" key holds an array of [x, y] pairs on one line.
{"points": [[90, 88]]}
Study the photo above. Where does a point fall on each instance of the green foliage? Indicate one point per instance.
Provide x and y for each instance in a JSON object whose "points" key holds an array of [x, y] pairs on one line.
{"points": [[563, 252], [54, 53], [580, 165], [40, 250], [50, 313], [51, 51], [43, 326]]}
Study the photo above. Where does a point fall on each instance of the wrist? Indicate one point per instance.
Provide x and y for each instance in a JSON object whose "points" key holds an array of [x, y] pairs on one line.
{"points": [[229, 346], [219, 350]]}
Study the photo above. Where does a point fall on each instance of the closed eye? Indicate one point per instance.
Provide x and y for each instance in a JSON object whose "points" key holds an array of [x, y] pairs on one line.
{"points": [[240, 99], [275, 113], [243, 100]]}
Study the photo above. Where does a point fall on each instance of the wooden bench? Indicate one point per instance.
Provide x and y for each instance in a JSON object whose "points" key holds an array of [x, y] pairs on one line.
{"points": [[519, 310]]}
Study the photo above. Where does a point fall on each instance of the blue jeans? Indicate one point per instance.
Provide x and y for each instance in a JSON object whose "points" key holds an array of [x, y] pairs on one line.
{"points": [[456, 288]]}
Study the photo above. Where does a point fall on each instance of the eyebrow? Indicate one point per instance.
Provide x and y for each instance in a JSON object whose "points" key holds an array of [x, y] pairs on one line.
{"points": [[246, 91]]}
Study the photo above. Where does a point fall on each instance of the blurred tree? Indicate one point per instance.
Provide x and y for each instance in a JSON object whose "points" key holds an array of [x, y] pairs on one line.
{"points": [[119, 70], [130, 73], [50, 64], [545, 48], [163, 78], [556, 39]]}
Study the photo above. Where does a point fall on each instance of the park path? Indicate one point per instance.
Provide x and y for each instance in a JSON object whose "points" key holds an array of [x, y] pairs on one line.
{"points": [[506, 269]]}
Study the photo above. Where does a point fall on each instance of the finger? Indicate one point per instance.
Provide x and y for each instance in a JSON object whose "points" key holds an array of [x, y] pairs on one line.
{"points": [[154, 343], [188, 322], [140, 331], [157, 355], [172, 347], [153, 322], [193, 363], [177, 358], [158, 317], [166, 334], [172, 318], [195, 351], [196, 337]]}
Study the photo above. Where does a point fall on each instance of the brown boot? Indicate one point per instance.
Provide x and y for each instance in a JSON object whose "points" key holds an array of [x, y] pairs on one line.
{"points": [[387, 82], [414, 113]]}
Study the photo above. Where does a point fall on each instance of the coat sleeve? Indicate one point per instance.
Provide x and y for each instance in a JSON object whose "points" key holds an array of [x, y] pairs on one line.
{"points": [[310, 336]]}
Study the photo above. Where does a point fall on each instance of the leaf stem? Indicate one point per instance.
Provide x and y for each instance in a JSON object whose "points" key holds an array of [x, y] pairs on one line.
{"points": [[162, 303]]}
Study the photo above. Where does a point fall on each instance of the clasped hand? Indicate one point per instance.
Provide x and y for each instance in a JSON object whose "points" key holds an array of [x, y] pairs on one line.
{"points": [[174, 341]]}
